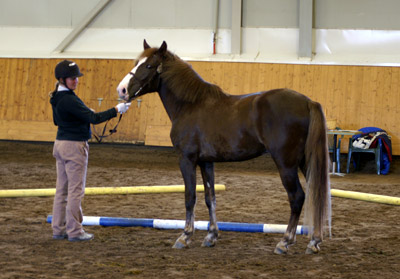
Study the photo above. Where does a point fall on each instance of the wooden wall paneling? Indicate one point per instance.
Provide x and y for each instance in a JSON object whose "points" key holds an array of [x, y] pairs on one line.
{"points": [[340, 98], [21, 85], [228, 77], [356, 96], [4, 78], [37, 99], [134, 122], [258, 82], [218, 75], [215, 72], [262, 75], [300, 81], [210, 72], [344, 83], [370, 98], [96, 82], [30, 89], [156, 113], [242, 81], [326, 91], [308, 82], [10, 92], [46, 84], [369, 94], [382, 109], [289, 76], [158, 122], [86, 88], [201, 69], [249, 77], [338, 107], [275, 71], [233, 79], [342, 104], [27, 130], [318, 92], [41, 81], [297, 77], [356, 93], [141, 118], [267, 72], [391, 103], [346, 108], [393, 121], [281, 76], [329, 91]]}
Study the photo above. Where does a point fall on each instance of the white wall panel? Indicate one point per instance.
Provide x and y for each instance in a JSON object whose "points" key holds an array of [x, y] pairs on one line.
{"points": [[34, 28], [276, 45], [42, 13], [357, 14]]}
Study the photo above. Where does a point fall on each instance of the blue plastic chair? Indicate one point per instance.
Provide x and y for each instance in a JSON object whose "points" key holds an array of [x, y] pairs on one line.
{"points": [[376, 151]]}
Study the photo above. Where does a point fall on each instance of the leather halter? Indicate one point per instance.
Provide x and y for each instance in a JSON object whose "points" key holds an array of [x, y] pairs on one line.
{"points": [[158, 72]]}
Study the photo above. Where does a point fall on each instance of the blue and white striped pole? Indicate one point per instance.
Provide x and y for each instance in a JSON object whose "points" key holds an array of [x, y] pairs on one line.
{"points": [[180, 224]]}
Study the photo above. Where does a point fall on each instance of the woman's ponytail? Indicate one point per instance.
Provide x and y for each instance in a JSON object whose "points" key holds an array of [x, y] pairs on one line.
{"points": [[52, 93]]}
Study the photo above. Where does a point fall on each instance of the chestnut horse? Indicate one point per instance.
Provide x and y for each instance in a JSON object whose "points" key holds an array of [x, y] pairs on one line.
{"points": [[209, 125]]}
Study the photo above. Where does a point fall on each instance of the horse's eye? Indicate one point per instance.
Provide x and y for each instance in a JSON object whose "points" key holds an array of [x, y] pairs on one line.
{"points": [[148, 66]]}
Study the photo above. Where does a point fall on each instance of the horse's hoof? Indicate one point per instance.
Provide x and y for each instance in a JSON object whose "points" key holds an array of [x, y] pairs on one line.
{"points": [[182, 242], [281, 249], [209, 242], [311, 251], [312, 248]]}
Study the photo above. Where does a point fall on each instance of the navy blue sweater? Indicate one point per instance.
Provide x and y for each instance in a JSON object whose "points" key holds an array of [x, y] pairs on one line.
{"points": [[73, 117]]}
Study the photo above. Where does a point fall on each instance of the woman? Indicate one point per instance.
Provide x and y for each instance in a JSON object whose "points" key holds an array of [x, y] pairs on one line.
{"points": [[71, 151]]}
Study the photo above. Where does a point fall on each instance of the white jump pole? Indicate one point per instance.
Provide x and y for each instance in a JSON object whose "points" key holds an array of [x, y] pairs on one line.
{"points": [[180, 224]]}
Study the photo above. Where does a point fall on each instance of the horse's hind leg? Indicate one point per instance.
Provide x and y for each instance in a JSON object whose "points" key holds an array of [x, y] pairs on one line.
{"points": [[188, 169], [291, 182], [207, 172]]}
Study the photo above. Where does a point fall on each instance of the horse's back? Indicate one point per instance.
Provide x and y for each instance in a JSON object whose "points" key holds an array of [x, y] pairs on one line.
{"points": [[283, 117]]}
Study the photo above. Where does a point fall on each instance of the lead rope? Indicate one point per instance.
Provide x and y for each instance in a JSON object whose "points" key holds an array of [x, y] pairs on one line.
{"points": [[112, 131]]}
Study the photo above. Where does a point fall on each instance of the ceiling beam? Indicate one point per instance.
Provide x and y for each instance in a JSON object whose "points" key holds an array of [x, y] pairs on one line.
{"points": [[305, 28], [81, 26], [236, 27]]}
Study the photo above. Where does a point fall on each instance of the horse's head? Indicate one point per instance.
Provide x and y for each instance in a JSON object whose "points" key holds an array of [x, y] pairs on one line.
{"points": [[145, 76]]}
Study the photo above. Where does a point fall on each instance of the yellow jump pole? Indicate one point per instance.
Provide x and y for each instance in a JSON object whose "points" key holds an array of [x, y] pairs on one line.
{"points": [[105, 190], [365, 197]]}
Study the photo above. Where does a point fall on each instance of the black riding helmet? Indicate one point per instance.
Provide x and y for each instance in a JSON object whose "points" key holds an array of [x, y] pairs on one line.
{"points": [[66, 68]]}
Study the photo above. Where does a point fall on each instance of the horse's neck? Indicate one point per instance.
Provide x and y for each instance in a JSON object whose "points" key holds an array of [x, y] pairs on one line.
{"points": [[169, 101]]}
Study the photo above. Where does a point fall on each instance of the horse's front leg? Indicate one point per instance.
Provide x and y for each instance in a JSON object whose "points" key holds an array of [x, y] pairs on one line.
{"points": [[207, 173], [188, 169]]}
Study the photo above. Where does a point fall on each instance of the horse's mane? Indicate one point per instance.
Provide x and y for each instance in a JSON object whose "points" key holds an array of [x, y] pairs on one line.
{"points": [[185, 83]]}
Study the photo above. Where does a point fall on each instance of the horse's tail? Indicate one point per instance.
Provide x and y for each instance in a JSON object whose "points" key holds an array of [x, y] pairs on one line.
{"points": [[317, 212]]}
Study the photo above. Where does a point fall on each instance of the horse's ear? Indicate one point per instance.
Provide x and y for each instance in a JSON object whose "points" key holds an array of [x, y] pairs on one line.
{"points": [[163, 48], [145, 44]]}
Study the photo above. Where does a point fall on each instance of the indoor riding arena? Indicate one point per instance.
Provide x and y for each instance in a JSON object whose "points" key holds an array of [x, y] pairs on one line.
{"points": [[341, 56]]}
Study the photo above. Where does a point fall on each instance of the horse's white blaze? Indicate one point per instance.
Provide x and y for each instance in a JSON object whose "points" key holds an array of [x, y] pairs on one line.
{"points": [[141, 61], [123, 85]]}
